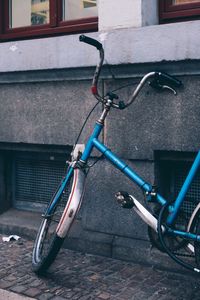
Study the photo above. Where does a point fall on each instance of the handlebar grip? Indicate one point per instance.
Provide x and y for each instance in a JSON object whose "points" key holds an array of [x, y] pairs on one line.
{"points": [[90, 41], [165, 78]]}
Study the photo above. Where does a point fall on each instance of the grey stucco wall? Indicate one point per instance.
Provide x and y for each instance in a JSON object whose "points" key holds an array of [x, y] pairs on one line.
{"points": [[157, 121], [44, 113], [52, 113]]}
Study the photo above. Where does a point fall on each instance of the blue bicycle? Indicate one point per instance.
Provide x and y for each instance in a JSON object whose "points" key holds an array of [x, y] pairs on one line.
{"points": [[180, 240]]}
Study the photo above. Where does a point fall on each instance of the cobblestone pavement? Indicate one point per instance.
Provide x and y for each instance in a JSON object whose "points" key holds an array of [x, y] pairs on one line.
{"points": [[78, 276]]}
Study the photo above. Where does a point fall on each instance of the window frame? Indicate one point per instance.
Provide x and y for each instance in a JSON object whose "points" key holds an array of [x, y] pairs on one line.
{"points": [[56, 25], [169, 12]]}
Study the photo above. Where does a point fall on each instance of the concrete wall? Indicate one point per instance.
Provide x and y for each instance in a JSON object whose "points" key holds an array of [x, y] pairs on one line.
{"points": [[39, 113], [127, 14], [122, 46]]}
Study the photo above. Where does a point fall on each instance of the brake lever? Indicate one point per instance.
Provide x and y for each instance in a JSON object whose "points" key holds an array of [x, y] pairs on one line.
{"points": [[159, 87], [166, 87]]}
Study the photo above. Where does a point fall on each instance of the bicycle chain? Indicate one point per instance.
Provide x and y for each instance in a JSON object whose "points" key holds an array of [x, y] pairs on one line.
{"points": [[183, 255]]}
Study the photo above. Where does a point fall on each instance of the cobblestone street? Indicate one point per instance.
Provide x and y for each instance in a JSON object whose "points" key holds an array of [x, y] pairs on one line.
{"points": [[78, 276]]}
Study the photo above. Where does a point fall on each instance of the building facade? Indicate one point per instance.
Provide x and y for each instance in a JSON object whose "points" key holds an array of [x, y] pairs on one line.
{"points": [[45, 78]]}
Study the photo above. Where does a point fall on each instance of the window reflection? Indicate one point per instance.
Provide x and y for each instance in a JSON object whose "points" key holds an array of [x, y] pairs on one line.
{"points": [[78, 9], [177, 2], [39, 12], [28, 12]]}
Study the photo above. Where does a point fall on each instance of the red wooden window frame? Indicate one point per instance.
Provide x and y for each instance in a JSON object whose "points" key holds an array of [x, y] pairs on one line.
{"points": [[169, 12], [56, 25]]}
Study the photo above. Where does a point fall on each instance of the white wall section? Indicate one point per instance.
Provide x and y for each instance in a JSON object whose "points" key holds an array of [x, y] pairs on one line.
{"points": [[169, 42]]}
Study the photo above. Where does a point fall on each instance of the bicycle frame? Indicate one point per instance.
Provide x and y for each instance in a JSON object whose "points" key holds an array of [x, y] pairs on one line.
{"points": [[94, 142], [164, 225]]}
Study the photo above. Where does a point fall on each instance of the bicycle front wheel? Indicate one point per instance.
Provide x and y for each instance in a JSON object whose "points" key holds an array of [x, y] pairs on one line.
{"points": [[57, 221]]}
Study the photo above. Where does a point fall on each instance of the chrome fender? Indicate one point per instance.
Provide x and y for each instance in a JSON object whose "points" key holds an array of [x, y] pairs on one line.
{"points": [[73, 203]]}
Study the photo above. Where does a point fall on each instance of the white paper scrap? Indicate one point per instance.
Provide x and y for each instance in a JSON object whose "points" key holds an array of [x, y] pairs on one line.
{"points": [[10, 238]]}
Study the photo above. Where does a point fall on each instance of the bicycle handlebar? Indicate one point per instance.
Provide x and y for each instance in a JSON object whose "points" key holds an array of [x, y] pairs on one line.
{"points": [[95, 43], [159, 82], [85, 39]]}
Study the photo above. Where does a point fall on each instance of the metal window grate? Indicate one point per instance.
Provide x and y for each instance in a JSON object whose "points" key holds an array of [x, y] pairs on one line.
{"points": [[180, 175], [193, 195], [35, 180]]}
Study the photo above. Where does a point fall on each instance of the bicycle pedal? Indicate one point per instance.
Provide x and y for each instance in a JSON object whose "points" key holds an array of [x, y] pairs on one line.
{"points": [[124, 199]]}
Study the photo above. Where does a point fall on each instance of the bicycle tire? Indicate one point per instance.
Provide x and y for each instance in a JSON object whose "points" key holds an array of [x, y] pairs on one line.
{"points": [[41, 266], [194, 227], [173, 243], [197, 244], [193, 218], [47, 242]]}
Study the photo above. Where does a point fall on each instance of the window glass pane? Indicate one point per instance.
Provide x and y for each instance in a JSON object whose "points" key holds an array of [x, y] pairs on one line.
{"points": [[28, 12], [177, 2], [77, 9]]}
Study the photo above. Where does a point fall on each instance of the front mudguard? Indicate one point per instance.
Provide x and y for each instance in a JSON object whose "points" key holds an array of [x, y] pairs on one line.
{"points": [[73, 203]]}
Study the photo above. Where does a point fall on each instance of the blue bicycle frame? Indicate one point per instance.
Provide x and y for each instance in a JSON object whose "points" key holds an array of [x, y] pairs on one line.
{"points": [[162, 226], [93, 142]]}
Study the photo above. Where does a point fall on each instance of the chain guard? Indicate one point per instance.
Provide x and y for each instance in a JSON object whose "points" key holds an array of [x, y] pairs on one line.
{"points": [[173, 243]]}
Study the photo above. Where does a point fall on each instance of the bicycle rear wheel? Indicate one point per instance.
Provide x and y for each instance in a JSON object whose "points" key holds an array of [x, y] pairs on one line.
{"points": [[194, 227], [174, 243], [48, 242]]}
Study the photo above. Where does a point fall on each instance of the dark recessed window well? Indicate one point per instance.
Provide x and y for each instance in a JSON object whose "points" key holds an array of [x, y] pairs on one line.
{"points": [[30, 174], [38, 18], [171, 171], [177, 10]]}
